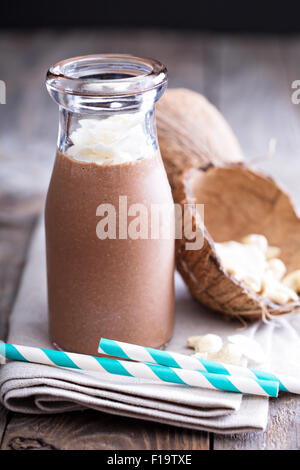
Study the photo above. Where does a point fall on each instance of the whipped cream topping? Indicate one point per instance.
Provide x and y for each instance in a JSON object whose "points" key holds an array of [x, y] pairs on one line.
{"points": [[117, 139]]}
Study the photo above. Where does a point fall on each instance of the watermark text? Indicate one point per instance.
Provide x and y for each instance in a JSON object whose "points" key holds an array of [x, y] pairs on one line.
{"points": [[2, 92], [154, 222], [296, 94]]}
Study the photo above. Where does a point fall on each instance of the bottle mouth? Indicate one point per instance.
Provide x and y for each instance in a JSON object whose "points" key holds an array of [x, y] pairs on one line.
{"points": [[106, 76]]}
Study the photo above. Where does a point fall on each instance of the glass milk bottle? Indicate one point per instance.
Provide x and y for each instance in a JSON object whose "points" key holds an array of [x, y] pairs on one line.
{"points": [[110, 267]]}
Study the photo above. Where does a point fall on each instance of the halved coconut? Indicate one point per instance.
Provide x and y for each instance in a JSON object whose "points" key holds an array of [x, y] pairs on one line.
{"points": [[237, 201], [204, 164]]}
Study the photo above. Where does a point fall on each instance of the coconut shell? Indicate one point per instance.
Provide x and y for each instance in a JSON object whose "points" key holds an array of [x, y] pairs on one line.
{"points": [[199, 151], [192, 133], [237, 201]]}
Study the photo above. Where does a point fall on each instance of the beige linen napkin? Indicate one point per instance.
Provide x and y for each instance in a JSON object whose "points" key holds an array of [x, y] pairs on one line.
{"points": [[36, 388]]}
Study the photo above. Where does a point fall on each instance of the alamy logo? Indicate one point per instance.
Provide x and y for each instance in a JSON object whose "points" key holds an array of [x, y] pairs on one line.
{"points": [[296, 94], [2, 92], [160, 221]]}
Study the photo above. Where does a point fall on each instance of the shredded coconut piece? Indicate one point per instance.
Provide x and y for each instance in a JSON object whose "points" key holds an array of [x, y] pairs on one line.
{"points": [[277, 267], [114, 140], [239, 348], [292, 281], [230, 354], [273, 252], [256, 264], [245, 262], [209, 343], [276, 291], [257, 240], [250, 348]]}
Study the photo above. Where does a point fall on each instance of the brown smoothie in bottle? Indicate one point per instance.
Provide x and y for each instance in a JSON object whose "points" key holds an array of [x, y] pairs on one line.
{"points": [[115, 288]]}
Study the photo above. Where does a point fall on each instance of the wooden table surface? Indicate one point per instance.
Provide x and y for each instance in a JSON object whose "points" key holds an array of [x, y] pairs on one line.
{"points": [[249, 79]]}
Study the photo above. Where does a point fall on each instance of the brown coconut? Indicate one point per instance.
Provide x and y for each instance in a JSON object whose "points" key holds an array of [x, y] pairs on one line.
{"points": [[192, 133], [237, 201]]}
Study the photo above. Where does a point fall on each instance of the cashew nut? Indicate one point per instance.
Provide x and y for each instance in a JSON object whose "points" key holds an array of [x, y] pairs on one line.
{"points": [[292, 281], [273, 252], [230, 354], [207, 344], [250, 348], [277, 267], [258, 240], [276, 291]]}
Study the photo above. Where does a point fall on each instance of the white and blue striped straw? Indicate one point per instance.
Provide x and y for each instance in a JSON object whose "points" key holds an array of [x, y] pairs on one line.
{"points": [[182, 361], [136, 369]]}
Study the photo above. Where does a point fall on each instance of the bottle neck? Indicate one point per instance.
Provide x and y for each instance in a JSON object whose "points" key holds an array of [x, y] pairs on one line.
{"points": [[106, 104], [107, 82]]}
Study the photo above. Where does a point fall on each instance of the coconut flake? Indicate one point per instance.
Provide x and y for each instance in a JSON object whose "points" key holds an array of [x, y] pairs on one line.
{"points": [[273, 252], [277, 267], [249, 347], [114, 140], [257, 240], [276, 291], [229, 354], [292, 281], [246, 262]]}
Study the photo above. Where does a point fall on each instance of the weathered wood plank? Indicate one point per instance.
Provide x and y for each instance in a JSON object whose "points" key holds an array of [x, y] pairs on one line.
{"points": [[283, 431], [13, 245], [16, 223], [14, 237], [3, 421], [89, 429]]}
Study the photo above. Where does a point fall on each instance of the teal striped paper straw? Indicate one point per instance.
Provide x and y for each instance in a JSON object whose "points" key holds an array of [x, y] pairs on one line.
{"points": [[181, 361], [140, 370]]}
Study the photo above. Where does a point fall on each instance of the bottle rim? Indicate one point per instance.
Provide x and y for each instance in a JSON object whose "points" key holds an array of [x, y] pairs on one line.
{"points": [[106, 75]]}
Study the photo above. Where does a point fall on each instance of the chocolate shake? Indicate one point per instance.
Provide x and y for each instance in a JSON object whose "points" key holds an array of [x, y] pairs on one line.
{"points": [[103, 280], [119, 289]]}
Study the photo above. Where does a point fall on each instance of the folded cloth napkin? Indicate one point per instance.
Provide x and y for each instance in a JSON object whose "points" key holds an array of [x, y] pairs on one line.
{"points": [[32, 388]]}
